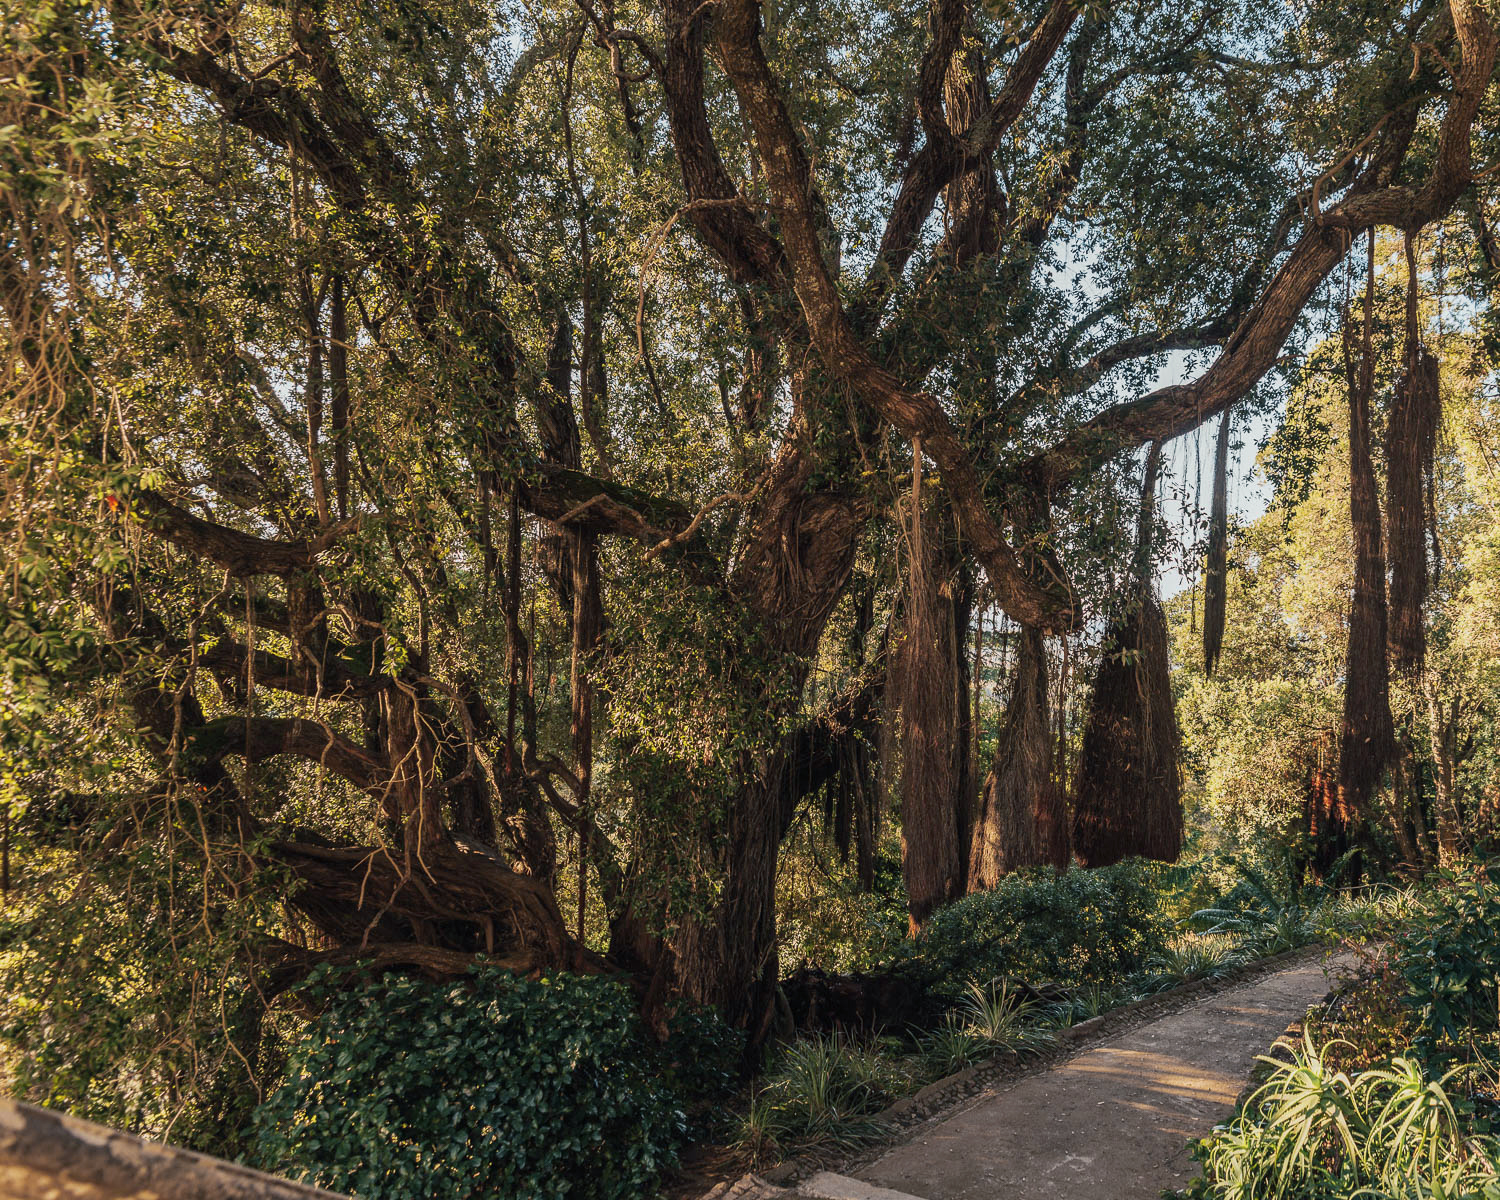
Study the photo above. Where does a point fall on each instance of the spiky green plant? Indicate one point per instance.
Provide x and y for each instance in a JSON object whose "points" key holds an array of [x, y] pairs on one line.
{"points": [[1311, 1132], [819, 1089], [1197, 956], [987, 1021]]}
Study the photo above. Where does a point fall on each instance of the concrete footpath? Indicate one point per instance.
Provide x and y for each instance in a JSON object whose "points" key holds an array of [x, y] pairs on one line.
{"points": [[1111, 1123]]}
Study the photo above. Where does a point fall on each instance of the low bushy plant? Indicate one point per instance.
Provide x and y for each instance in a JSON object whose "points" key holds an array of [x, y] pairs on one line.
{"points": [[1070, 927], [1312, 1132], [1449, 958], [819, 1089], [493, 1085]]}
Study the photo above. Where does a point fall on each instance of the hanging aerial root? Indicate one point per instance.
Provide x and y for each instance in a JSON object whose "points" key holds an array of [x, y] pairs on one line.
{"points": [[1021, 820], [1410, 442], [1216, 574], [1128, 799]]}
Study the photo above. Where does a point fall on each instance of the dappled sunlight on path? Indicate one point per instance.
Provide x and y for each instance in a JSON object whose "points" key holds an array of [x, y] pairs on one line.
{"points": [[1111, 1123]]}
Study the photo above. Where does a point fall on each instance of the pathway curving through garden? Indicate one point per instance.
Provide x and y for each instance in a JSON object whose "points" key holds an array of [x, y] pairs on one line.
{"points": [[1113, 1122]]}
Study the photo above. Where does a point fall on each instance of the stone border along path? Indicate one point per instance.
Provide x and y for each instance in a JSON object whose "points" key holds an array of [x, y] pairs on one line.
{"points": [[1109, 1120]]}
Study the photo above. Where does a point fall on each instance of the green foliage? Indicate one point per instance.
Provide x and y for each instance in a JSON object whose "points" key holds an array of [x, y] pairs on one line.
{"points": [[491, 1086], [1312, 1132], [1070, 927], [987, 1021], [127, 999], [1270, 910], [819, 1089], [1449, 958]]}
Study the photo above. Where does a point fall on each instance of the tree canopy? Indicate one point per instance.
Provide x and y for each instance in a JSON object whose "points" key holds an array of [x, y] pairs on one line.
{"points": [[478, 475]]}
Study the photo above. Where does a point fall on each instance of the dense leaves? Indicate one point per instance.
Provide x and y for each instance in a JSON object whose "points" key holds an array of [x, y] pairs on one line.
{"points": [[489, 1086], [1072, 927]]}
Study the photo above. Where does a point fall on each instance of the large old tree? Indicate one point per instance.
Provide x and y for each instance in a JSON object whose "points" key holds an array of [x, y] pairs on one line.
{"points": [[448, 432]]}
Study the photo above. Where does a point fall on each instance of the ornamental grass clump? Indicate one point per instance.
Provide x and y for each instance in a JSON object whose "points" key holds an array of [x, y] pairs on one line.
{"points": [[819, 1089], [988, 1021]]}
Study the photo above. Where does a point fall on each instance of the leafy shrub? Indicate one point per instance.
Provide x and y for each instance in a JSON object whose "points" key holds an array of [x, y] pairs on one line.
{"points": [[1072, 927], [819, 1089], [492, 1086], [1449, 957], [1368, 1022], [1312, 1132]]}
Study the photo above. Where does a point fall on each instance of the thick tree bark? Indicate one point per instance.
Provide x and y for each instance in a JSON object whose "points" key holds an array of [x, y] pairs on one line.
{"points": [[1411, 438], [931, 692]]}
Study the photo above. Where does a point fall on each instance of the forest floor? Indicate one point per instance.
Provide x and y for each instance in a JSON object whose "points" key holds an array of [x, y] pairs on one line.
{"points": [[1113, 1121]]}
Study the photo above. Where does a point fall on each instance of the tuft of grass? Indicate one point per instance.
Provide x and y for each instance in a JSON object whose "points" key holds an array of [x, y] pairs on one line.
{"points": [[986, 1022], [1087, 1003], [818, 1090], [1197, 956]]}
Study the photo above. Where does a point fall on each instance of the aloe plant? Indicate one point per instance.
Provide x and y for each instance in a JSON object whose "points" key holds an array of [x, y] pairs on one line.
{"points": [[1311, 1132]]}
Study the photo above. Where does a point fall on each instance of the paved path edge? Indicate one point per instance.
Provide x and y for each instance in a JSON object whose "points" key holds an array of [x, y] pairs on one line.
{"points": [[937, 1100]]}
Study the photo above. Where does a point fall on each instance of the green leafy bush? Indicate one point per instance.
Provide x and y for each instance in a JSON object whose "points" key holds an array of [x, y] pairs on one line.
{"points": [[1449, 957], [492, 1086], [1071, 927]]}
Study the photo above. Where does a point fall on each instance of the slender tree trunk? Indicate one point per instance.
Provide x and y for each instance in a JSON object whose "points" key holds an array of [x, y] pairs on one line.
{"points": [[1216, 575], [1443, 725], [961, 598]]}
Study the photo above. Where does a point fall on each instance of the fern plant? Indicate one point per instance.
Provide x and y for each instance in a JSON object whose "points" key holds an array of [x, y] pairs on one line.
{"points": [[1271, 909]]}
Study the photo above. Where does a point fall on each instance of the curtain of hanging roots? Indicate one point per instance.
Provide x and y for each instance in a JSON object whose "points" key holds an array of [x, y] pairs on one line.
{"points": [[1128, 797]]}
